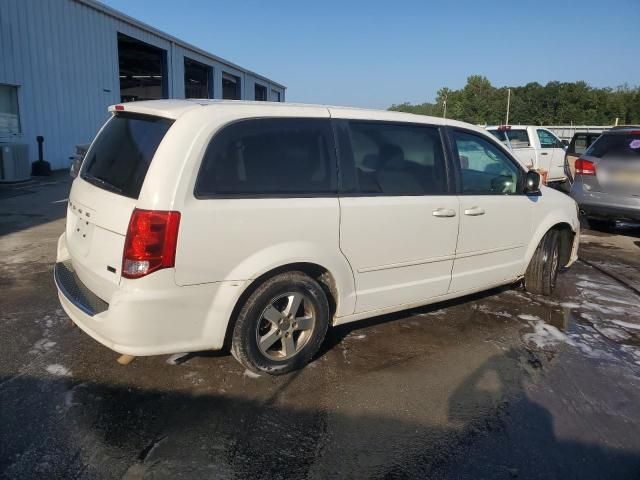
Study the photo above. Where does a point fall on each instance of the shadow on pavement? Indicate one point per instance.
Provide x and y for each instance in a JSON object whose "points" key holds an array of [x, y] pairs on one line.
{"points": [[30, 204], [526, 445], [59, 428]]}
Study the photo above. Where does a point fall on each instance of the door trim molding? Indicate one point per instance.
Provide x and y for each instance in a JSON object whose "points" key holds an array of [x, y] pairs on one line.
{"points": [[409, 263], [445, 258], [486, 252]]}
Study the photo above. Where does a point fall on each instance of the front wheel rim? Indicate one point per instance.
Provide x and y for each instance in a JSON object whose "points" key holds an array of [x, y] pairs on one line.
{"points": [[285, 326]]}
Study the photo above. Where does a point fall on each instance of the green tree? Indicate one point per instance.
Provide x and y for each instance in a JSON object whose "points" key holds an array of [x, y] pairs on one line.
{"points": [[556, 103]]}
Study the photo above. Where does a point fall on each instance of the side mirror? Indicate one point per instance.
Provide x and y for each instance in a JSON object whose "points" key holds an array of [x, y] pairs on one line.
{"points": [[565, 143], [532, 183]]}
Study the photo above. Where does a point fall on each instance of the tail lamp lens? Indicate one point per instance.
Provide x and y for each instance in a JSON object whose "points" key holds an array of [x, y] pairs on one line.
{"points": [[151, 242], [585, 167]]}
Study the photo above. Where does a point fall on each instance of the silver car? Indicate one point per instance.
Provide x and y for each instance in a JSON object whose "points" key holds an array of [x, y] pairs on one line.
{"points": [[607, 178]]}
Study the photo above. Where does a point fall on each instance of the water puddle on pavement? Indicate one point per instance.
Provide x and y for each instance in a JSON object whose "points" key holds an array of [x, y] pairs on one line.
{"points": [[589, 312]]}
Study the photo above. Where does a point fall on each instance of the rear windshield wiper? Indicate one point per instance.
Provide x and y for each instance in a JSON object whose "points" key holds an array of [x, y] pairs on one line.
{"points": [[101, 183]]}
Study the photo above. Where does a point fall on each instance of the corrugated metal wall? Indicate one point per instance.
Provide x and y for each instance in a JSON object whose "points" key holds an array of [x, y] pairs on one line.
{"points": [[63, 56]]}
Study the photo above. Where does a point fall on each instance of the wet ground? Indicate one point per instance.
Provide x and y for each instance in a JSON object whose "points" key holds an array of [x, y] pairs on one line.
{"points": [[499, 385]]}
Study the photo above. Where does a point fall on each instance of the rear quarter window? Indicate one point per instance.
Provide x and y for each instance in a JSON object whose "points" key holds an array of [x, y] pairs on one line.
{"points": [[120, 155], [269, 157], [518, 138]]}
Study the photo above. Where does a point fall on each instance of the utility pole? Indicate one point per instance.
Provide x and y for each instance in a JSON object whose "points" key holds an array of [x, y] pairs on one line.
{"points": [[508, 104], [444, 104]]}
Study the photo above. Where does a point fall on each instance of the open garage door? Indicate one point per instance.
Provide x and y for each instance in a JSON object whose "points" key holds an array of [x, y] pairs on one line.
{"points": [[230, 87], [198, 79], [143, 70]]}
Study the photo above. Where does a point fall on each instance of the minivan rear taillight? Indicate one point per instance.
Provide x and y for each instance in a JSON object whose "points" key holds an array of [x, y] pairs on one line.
{"points": [[151, 242], [585, 167]]}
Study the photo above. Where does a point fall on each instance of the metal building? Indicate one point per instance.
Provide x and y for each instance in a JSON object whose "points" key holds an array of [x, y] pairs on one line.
{"points": [[62, 62]]}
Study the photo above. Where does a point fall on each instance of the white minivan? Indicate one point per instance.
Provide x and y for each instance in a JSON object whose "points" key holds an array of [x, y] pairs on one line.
{"points": [[196, 225]]}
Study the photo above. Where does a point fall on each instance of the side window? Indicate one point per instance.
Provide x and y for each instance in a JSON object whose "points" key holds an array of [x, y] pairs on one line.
{"points": [[485, 169], [397, 159], [547, 139], [271, 157]]}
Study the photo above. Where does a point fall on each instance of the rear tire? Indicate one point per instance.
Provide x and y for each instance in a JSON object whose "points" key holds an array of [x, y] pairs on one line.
{"points": [[543, 268], [281, 325]]}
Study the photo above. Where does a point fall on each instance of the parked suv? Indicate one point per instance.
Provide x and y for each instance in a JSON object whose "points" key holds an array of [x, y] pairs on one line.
{"points": [[197, 223], [607, 181], [579, 144]]}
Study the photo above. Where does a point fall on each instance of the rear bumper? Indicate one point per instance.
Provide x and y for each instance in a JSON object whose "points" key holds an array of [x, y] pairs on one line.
{"points": [[149, 323], [75, 291], [611, 213], [606, 205], [151, 315]]}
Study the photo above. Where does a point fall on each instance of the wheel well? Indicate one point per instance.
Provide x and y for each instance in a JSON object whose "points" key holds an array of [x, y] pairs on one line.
{"points": [[566, 236], [315, 271]]}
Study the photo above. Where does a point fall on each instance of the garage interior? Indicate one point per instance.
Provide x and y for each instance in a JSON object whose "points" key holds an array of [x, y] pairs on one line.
{"points": [[142, 70], [230, 87], [198, 79], [260, 92]]}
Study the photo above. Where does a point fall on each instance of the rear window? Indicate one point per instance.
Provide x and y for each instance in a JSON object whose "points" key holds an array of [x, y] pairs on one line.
{"points": [[269, 157], [618, 145], [517, 138], [120, 156]]}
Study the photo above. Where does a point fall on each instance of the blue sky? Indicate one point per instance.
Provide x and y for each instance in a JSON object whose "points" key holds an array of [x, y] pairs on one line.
{"points": [[376, 53]]}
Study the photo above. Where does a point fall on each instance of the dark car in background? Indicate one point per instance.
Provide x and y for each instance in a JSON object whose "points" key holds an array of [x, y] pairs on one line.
{"points": [[578, 145], [607, 178]]}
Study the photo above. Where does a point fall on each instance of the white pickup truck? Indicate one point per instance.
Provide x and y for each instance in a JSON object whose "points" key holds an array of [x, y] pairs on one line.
{"points": [[535, 147]]}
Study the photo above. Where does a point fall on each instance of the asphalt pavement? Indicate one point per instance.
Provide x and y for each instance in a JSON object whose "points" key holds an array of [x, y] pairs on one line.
{"points": [[499, 385]]}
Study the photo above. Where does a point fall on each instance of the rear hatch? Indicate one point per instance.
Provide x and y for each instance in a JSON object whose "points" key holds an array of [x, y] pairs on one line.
{"points": [[616, 156], [104, 195]]}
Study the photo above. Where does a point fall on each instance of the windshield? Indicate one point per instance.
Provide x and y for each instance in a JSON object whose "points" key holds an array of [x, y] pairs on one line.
{"points": [[618, 145], [120, 156]]}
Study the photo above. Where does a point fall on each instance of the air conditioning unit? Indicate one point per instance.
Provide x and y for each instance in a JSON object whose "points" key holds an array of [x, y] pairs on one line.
{"points": [[14, 162]]}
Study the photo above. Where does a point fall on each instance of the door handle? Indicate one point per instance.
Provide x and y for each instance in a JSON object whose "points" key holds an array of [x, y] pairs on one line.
{"points": [[474, 211], [544, 153], [444, 212]]}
